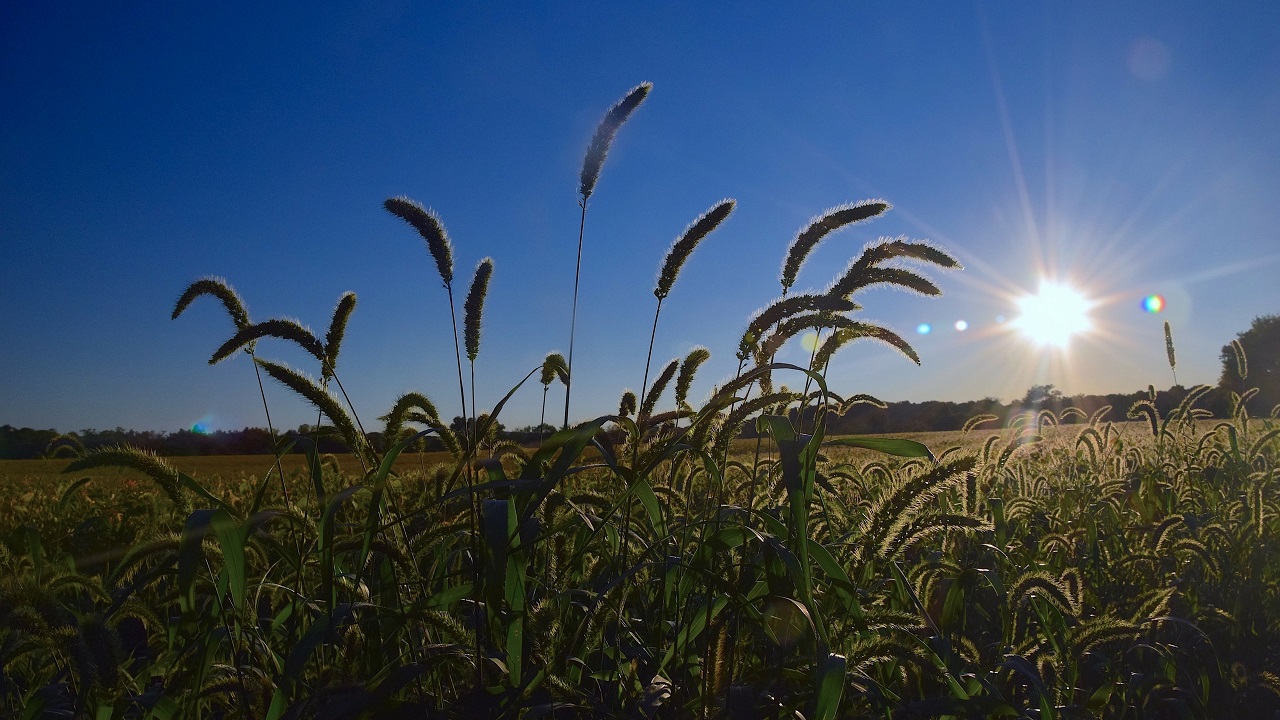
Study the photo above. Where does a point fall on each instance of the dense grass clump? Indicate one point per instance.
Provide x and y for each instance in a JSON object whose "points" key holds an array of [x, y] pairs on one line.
{"points": [[645, 564]]}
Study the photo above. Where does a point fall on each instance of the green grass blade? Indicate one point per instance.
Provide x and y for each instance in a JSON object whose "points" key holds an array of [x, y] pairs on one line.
{"points": [[889, 446]]}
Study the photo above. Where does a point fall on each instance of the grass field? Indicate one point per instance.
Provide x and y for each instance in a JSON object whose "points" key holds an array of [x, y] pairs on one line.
{"points": [[648, 564]]}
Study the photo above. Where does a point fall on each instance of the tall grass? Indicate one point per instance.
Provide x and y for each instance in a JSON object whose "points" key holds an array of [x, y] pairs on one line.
{"points": [[638, 564]]}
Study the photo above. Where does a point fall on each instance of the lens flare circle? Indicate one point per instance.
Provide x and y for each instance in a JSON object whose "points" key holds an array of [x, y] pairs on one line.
{"points": [[1153, 303], [1053, 315], [924, 328], [961, 325]]}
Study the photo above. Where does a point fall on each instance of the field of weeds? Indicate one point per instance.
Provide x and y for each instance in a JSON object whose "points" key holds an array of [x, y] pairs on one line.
{"points": [[648, 563]]}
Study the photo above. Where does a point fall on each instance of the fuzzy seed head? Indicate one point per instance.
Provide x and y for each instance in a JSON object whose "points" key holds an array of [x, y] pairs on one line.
{"points": [[684, 380], [684, 245], [280, 328], [627, 405], [605, 132], [430, 228], [474, 306], [655, 392], [553, 367], [337, 330], [218, 288], [818, 228]]}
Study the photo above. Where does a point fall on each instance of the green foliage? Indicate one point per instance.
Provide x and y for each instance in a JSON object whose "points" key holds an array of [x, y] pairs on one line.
{"points": [[1252, 360]]}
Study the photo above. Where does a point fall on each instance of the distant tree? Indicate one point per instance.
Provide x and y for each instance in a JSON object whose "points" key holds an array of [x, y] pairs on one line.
{"points": [[1260, 367], [1038, 395], [463, 428]]}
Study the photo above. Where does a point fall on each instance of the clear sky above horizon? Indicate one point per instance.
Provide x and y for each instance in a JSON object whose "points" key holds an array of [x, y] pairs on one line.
{"points": [[1126, 149]]}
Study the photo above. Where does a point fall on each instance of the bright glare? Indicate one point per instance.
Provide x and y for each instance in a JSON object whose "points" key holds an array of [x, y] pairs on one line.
{"points": [[1053, 315]]}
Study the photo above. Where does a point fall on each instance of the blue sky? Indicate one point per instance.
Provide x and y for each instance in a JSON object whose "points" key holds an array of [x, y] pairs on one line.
{"points": [[1125, 148]]}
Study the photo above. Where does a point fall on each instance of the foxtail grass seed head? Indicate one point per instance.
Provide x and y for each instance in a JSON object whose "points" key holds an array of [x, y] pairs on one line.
{"points": [[783, 308], [684, 380], [280, 328], [1242, 360], [864, 271], [598, 150], [430, 228], [1168, 346], [683, 247], [554, 367], [337, 330], [854, 331], [218, 288], [820, 227], [659, 385], [317, 396], [857, 278], [474, 306], [627, 405]]}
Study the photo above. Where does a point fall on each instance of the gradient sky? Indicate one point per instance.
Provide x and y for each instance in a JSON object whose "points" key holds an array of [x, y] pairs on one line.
{"points": [[1128, 148]]}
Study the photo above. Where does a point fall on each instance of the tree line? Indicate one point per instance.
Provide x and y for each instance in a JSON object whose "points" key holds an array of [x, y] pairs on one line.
{"points": [[1250, 362]]}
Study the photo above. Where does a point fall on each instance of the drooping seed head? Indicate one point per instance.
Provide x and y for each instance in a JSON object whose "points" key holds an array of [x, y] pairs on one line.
{"points": [[280, 328], [818, 228], [684, 380], [474, 307], [554, 366], [430, 228], [865, 270], [856, 330], [627, 405], [683, 247], [403, 410], [856, 279], [783, 308], [218, 288], [605, 132]]}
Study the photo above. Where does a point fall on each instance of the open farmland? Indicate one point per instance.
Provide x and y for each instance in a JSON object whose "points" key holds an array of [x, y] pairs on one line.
{"points": [[650, 562]]}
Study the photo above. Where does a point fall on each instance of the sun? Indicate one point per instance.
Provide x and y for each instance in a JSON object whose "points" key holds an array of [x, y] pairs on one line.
{"points": [[1053, 315]]}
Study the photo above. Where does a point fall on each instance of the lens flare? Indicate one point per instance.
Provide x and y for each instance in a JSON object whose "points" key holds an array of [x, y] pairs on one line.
{"points": [[961, 325], [1153, 303], [924, 328]]}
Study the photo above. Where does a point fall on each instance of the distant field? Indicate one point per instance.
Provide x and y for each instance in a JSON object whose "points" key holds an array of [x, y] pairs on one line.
{"points": [[216, 469]]}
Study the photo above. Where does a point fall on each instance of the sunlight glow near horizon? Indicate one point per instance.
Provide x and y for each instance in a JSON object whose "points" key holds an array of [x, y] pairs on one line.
{"points": [[1053, 315]]}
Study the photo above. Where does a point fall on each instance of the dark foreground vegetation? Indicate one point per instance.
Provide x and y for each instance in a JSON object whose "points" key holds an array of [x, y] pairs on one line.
{"points": [[637, 565]]}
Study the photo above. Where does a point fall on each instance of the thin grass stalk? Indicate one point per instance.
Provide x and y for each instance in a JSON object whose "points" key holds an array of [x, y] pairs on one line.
{"points": [[573, 313], [653, 334]]}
